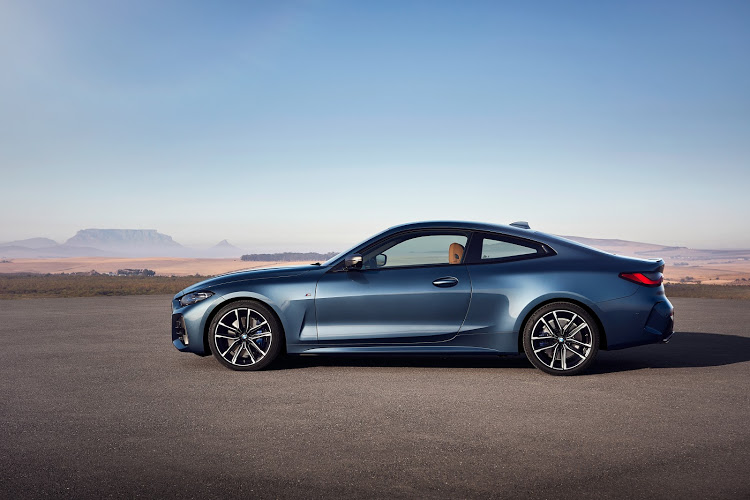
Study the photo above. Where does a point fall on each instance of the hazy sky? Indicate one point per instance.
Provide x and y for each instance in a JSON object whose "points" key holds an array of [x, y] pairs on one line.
{"points": [[310, 125]]}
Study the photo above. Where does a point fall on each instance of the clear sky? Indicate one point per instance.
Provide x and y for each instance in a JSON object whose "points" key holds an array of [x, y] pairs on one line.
{"points": [[310, 125]]}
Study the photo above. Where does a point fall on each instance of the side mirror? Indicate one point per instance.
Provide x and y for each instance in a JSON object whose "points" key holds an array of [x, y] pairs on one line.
{"points": [[353, 262], [380, 260]]}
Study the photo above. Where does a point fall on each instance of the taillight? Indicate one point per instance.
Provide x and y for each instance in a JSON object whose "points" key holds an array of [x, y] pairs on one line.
{"points": [[645, 279]]}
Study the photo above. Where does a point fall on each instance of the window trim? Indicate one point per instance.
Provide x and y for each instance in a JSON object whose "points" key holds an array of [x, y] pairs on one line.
{"points": [[474, 251], [468, 233]]}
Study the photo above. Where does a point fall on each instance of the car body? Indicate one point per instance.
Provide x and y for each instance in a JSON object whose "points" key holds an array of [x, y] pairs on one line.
{"points": [[434, 288]]}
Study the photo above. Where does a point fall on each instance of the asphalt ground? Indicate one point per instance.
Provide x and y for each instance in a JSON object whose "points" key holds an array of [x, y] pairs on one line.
{"points": [[97, 403]]}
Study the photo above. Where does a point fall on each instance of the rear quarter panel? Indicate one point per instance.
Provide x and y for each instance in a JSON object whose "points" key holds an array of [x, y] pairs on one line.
{"points": [[504, 294]]}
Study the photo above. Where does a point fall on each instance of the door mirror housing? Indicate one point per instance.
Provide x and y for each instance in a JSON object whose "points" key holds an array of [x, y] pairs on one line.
{"points": [[380, 260], [353, 262]]}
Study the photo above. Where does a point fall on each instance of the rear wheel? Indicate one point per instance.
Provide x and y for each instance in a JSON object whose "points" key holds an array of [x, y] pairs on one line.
{"points": [[561, 338], [245, 335]]}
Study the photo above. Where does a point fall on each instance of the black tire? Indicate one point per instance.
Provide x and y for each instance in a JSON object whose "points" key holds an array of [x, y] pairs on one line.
{"points": [[549, 345], [258, 325]]}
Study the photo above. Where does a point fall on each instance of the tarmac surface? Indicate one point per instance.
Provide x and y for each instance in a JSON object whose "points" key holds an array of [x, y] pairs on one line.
{"points": [[95, 402]]}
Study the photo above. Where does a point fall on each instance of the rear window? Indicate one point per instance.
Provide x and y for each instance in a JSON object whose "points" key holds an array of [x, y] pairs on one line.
{"points": [[499, 249]]}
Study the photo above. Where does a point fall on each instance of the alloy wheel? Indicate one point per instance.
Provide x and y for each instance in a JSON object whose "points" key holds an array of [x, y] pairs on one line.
{"points": [[242, 337], [562, 340]]}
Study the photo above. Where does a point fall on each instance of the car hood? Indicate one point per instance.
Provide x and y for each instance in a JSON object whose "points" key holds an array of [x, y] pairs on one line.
{"points": [[246, 275]]}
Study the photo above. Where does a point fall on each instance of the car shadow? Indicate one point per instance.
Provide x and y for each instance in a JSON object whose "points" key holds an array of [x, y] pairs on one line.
{"points": [[685, 350]]}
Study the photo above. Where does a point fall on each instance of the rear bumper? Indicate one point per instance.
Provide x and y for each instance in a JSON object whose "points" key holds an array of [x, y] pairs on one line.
{"points": [[643, 318], [660, 323]]}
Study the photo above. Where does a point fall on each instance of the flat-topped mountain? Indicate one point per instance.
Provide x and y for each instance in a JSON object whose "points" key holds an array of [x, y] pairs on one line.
{"points": [[99, 243], [122, 238]]}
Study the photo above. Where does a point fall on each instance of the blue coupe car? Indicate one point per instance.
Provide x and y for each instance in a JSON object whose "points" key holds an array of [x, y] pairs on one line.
{"points": [[433, 288]]}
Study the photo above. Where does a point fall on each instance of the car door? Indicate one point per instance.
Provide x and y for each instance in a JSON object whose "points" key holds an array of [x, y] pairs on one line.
{"points": [[411, 287]]}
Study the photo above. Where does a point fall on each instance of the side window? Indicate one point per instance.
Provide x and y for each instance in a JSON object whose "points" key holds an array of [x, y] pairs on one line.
{"points": [[499, 249], [417, 251]]}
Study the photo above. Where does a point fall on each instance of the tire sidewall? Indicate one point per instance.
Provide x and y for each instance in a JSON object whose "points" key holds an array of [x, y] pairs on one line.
{"points": [[276, 334], [559, 306]]}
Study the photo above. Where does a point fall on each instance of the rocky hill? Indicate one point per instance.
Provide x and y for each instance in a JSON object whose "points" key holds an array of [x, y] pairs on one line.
{"points": [[116, 239], [32, 243]]}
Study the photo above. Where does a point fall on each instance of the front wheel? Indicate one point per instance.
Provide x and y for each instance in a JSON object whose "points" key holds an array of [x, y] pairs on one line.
{"points": [[561, 339], [245, 335]]}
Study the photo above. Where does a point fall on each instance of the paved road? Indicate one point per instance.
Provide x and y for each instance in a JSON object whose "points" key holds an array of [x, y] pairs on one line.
{"points": [[96, 402]]}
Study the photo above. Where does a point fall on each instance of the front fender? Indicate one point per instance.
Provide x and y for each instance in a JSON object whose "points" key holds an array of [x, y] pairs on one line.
{"points": [[292, 302]]}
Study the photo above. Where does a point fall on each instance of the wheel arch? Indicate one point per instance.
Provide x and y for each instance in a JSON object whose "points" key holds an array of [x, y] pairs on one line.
{"points": [[531, 310], [239, 298]]}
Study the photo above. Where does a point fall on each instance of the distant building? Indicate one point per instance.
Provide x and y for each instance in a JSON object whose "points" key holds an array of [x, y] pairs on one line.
{"points": [[135, 272]]}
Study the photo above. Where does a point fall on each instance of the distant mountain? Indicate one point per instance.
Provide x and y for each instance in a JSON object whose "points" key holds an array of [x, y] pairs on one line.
{"points": [[133, 239], [619, 246], [222, 250], [670, 254], [225, 244], [101, 243], [33, 243]]}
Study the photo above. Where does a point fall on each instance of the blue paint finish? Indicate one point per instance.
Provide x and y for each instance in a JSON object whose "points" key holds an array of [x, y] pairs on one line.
{"points": [[394, 305], [326, 309]]}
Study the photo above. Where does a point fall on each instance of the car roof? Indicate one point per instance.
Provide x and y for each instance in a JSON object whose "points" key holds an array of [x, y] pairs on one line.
{"points": [[473, 226]]}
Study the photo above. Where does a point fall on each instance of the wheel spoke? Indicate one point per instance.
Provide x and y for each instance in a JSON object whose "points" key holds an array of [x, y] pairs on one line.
{"points": [[557, 323], [223, 354], [236, 354], [549, 327], [577, 353], [219, 336], [577, 329], [250, 352], [587, 346], [563, 358], [569, 324], [260, 336], [546, 337], [262, 353], [257, 327], [230, 328], [554, 355], [544, 348]]}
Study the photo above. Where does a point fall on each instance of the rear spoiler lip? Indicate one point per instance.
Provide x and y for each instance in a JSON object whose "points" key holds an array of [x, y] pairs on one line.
{"points": [[658, 266], [639, 265]]}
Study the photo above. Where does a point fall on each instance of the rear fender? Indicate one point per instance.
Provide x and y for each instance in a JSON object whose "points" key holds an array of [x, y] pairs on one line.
{"points": [[559, 297]]}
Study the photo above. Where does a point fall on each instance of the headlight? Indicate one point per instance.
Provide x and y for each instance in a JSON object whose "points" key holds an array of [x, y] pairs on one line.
{"points": [[194, 297]]}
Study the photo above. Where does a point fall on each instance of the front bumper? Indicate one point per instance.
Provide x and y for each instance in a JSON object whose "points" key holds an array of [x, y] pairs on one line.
{"points": [[180, 337], [189, 324]]}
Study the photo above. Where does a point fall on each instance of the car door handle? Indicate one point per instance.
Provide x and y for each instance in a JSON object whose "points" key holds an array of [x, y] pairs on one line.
{"points": [[445, 282]]}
